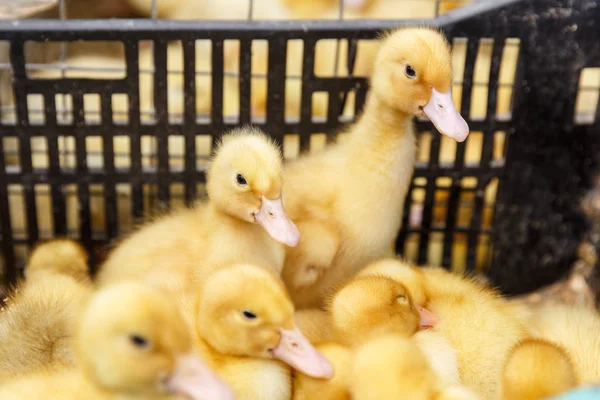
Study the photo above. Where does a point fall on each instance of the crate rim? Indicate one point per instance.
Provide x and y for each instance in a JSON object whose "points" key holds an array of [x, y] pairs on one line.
{"points": [[32, 29]]}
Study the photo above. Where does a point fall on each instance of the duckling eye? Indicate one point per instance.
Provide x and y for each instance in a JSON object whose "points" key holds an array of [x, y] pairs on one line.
{"points": [[249, 315], [139, 341], [240, 180], [401, 299], [410, 72]]}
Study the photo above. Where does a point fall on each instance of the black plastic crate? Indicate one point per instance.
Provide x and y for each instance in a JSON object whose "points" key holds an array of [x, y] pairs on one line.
{"points": [[537, 159]]}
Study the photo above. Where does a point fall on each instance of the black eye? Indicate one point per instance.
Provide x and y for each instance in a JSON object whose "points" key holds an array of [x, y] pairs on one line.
{"points": [[239, 178], [249, 315], [410, 72], [139, 341]]}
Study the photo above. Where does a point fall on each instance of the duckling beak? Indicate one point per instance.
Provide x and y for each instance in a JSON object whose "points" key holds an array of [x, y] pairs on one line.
{"points": [[441, 111], [195, 380], [428, 319], [296, 351], [274, 220]]}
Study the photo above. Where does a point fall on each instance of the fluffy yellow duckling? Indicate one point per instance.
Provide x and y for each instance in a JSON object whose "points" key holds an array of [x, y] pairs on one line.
{"points": [[393, 367], [477, 322], [244, 320], [244, 221], [37, 325], [577, 330], [131, 343], [537, 369], [366, 308], [353, 211]]}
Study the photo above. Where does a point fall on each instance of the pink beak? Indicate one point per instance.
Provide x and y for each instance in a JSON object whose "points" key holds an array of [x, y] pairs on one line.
{"points": [[195, 380], [296, 351], [428, 319], [274, 220], [441, 111]]}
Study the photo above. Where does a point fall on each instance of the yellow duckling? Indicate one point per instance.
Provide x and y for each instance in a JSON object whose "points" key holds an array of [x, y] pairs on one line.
{"points": [[353, 211], [131, 343], [244, 221], [480, 325], [537, 369], [244, 320], [37, 325], [365, 308], [393, 367]]}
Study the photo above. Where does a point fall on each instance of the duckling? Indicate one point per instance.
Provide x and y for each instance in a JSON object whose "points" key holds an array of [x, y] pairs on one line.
{"points": [[131, 343], [577, 330], [244, 324], [244, 221], [537, 369], [342, 223], [365, 308], [37, 325], [393, 367], [58, 257], [480, 325], [307, 388]]}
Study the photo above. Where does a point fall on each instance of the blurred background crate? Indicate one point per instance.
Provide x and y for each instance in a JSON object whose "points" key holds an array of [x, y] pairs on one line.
{"points": [[107, 121]]}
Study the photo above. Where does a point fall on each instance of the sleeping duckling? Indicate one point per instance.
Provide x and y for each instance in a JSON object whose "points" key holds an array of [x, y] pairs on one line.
{"points": [[352, 211], [131, 343], [577, 330], [480, 325], [366, 308], [37, 325], [537, 369], [393, 367], [244, 221], [244, 324]]}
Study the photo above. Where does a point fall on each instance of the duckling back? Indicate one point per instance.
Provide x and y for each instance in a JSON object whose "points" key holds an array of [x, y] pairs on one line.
{"points": [[393, 367], [37, 325], [537, 369]]}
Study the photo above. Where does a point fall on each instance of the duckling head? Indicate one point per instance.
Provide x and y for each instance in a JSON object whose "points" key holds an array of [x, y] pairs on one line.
{"points": [[413, 75], [132, 339], [244, 310], [244, 181], [370, 306]]}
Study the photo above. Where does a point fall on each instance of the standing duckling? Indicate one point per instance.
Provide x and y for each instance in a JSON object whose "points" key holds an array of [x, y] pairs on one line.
{"points": [[131, 344], [348, 201], [243, 221], [37, 325], [244, 326]]}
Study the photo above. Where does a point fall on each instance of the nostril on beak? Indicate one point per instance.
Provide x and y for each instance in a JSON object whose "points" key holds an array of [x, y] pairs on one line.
{"points": [[441, 106], [271, 214]]}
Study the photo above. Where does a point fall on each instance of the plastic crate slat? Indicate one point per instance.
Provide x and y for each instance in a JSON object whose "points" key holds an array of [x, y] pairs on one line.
{"points": [[217, 83], [245, 80], [133, 92], [58, 199], [162, 120], [308, 67], [276, 87], [189, 77]]}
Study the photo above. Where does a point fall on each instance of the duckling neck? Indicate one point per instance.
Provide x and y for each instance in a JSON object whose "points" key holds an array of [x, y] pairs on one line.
{"points": [[383, 138], [379, 121]]}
